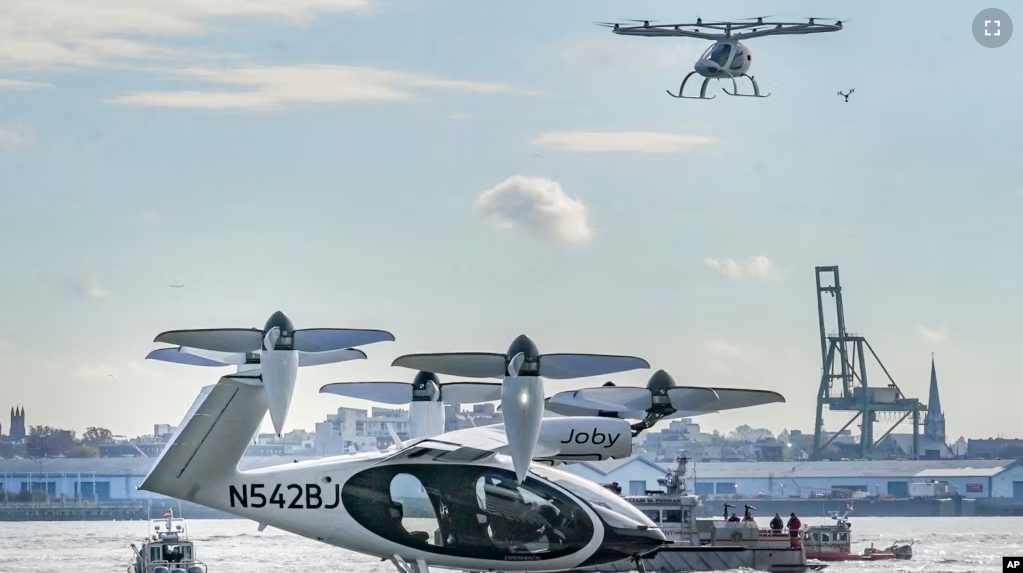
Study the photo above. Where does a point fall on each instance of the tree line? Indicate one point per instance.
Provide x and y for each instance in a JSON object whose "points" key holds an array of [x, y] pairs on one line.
{"points": [[50, 442]]}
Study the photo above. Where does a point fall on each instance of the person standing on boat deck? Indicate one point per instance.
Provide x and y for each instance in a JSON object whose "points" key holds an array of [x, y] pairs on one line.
{"points": [[734, 517], [794, 525], [777, 525], [747, 515]]}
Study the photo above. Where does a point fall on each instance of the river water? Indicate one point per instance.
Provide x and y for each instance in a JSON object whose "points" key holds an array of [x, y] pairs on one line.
{"points": [[943, 545]]}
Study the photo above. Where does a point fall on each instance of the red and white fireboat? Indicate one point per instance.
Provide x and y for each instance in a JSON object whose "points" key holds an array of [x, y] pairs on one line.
{"points": [[834, 543]]}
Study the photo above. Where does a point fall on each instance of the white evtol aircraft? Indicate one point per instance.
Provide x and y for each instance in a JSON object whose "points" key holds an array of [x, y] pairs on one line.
{"points": [[523, 369], [280, 351], [486, 517], [662, 399], [426, 397]]}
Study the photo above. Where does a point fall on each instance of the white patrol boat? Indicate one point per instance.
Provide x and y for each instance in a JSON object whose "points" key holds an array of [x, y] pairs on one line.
{"points": [[166, 548], [708, 544]]}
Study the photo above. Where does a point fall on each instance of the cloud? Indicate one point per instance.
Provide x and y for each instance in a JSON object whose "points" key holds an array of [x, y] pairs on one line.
{"points": [[619, 141], [537, 205], [270, 87], [13, 138], [934, 336], [606, 53], [723, 355], [90, 287], [758, 267], [21, 85], [38, 34]]}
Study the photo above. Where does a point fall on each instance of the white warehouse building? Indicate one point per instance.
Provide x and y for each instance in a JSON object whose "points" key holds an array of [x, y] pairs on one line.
{"points": [[968, 478], [117, 478]]}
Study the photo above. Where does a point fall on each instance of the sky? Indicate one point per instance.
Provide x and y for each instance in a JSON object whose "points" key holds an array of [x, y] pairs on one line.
{"points": [[462, 172]]}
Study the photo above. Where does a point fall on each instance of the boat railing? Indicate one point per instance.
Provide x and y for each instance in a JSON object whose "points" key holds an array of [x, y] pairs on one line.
{"points": [[168, 567]]}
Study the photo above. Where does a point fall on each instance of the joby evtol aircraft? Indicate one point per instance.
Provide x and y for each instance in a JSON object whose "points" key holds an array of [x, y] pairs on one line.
{"points": [[488, 516], [727, 58], [273, 354]]}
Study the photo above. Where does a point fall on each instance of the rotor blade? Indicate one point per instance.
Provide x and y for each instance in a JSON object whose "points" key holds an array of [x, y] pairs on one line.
{"points": [[565, 366], [233, 358], [383, 392], [176, 356], [218, 339], [330, 357], [692, 397], [464, 364], [324, 339], [732, 398], [607, 398], [470, 392]]}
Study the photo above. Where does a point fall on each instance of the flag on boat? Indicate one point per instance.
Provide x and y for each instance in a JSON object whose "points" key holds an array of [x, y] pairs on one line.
{"points": [[167, 513]]}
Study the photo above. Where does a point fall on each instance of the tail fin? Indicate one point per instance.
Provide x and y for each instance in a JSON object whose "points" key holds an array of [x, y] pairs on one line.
{"points": [[211, 439]]}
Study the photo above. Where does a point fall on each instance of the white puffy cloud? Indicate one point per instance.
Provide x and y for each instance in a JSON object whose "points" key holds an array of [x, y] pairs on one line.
{"points": [[270, 87], [36, 34], [90, 287], [537, 205], [938, 335], [12, 138], [6, 84], [757, 267], [619, 141]]}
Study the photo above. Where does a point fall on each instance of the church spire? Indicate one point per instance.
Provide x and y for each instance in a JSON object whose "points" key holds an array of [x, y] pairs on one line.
{"points": [[934, 422]]}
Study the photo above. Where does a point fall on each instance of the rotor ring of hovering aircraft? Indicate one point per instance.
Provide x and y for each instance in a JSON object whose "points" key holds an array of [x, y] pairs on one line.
{"points": [[489, 485]]}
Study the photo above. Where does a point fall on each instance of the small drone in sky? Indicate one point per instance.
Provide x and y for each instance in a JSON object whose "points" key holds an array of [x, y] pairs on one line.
{"points": [[846, 95], [727, 58]]}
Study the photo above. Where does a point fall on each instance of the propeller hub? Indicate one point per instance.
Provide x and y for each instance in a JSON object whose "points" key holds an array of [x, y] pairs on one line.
{"points": [[281, 321], [660, 383], [524, 345], [426, 387]]}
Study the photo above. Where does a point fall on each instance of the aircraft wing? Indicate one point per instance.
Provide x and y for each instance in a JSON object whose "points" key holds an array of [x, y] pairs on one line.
{"points": [[561, 440], [569, 404]]}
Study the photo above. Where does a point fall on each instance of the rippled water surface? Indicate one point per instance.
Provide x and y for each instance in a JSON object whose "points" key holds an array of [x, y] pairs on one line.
{"points": [[948, 544]]}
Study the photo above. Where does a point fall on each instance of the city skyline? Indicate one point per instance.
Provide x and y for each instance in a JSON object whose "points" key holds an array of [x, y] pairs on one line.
{"points": [[379, 164]]}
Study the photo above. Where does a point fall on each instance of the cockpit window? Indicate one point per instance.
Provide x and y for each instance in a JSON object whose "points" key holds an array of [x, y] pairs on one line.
{"points": [[593, 494], [470, 511], [719, 54]]}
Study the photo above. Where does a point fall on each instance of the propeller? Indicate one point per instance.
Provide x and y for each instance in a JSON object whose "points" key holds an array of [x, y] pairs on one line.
{"points": [[279, 344], [200, 357], [661, 398], [522, 394], [426, 387], [252, 339], [426, 397]]}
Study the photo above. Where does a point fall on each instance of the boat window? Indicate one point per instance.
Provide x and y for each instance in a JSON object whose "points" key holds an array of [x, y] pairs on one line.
{"points": [[719, 54], [672, 515], [592, 493], [686, 517], [842, 536], [653, 514], [825, 537], [466, 511], [814, 536]]}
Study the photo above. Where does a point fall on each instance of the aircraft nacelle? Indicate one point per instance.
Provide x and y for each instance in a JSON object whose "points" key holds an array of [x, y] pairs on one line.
{"points": [[724, 59]]}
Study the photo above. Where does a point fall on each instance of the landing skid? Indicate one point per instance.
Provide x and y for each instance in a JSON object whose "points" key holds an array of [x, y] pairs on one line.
{"points": [[682, 88], [735, 87]]}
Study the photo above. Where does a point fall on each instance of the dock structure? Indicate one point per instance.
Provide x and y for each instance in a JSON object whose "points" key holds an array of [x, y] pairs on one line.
{"points": [[844, 359]]}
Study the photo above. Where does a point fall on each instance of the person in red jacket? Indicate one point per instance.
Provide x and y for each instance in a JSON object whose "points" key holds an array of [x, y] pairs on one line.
{"points": [[794, 525]]}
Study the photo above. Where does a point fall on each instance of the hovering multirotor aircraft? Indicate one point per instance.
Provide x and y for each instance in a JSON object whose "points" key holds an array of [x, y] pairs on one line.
{"points": [[426, 397], [522, 393], [727, 58], [279, 346], [482, 514], [661, 399]]}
